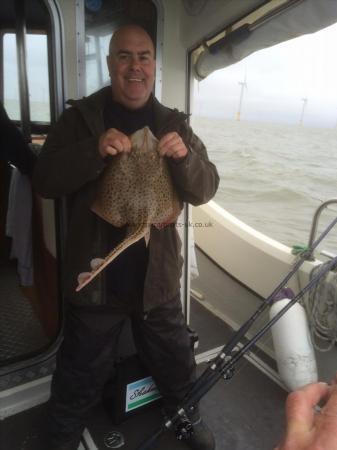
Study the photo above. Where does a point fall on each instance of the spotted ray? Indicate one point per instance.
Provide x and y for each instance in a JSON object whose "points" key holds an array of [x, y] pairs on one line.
{"points": [[135, 190]]}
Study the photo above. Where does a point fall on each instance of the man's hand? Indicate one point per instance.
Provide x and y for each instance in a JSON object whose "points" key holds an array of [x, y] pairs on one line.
{"points": [[113, 142], [172, 146], [307, 429]]}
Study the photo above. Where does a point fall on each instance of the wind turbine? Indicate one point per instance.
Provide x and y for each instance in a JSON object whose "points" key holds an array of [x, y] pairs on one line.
{"points": [[243, 85], [305, 101]]}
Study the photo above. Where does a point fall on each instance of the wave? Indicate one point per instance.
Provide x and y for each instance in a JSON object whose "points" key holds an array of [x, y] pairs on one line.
{"points": [[272, 176]]}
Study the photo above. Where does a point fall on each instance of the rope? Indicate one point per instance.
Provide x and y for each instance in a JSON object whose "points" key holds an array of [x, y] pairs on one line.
{"points": [[300, 250], [322, 310]]}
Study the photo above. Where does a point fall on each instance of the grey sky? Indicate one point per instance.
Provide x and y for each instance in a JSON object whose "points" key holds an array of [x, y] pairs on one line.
{"points": [[278, 78]]}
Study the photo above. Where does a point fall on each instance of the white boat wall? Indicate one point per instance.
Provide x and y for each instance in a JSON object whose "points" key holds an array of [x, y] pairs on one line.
{"points": [[253, 259], [256, 260]]}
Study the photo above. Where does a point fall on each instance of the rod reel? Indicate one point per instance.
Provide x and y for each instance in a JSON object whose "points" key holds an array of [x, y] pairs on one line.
{"points": [[184, 429]]}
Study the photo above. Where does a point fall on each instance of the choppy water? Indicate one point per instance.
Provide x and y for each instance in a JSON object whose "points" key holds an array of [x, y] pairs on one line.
{"points": [[273, 176]]}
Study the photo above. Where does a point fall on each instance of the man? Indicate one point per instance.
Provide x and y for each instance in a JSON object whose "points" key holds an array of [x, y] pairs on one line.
{"points": [[13, 147], [143, 282], [310, 427]]}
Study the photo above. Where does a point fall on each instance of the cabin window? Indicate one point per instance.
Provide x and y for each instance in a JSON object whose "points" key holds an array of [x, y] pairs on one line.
{"points": [[38, 78], [270, 125], [96, 49], [11, 77]]}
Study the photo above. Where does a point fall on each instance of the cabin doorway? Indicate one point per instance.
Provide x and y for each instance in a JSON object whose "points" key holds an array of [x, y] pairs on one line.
{"points": [[29, 294]]}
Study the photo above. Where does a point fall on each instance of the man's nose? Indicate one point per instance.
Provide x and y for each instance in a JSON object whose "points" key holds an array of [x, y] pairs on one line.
{"points": [[135, 63]]}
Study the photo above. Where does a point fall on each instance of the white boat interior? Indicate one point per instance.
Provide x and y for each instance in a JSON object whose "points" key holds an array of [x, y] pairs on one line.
{"points": [[54, 50]]}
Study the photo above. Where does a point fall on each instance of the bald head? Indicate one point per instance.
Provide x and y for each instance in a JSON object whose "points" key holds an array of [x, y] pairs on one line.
{"points": [[131, 65], [124, 32]]}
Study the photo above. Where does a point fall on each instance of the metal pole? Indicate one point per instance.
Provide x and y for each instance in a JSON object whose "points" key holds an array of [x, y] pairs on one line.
{"points": [[22, 68]]}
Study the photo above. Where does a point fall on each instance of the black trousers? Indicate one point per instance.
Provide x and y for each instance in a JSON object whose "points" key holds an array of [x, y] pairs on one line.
{"points": [[86, 357]]}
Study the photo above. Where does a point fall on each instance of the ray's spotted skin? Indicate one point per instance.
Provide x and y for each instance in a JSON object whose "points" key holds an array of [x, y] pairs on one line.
{"points": [[135, 190]]}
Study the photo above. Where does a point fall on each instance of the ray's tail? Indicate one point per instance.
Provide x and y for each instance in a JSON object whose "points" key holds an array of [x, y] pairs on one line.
{"points": [[135, 236]]}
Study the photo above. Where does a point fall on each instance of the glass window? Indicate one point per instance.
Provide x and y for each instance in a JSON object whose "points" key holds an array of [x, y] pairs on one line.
{"points": [[38, 78], [270, 125], [96, 50], [11, 80]]}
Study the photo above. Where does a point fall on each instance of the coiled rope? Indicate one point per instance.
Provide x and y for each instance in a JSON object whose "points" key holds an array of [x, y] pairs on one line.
{"points": [[321, 307]]}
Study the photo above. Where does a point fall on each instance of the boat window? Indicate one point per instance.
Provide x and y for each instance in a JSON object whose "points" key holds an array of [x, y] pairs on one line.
{"points": [[38, 78], [101, 19], [96, 49], [11, 77], [270, 125]]}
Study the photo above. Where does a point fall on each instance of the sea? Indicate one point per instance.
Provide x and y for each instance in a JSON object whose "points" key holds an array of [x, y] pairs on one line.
{"points": [[274, 176]]}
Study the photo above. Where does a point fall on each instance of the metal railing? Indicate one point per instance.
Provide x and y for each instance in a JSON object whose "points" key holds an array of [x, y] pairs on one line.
{"points": [[317, 215]]}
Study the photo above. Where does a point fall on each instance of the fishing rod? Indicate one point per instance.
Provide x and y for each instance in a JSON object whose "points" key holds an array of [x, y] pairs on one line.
{"points": [[223, 364], [240, 333]]}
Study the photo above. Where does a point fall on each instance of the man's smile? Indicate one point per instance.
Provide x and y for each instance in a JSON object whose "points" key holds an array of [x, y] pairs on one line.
{"points": [[134, 79]]}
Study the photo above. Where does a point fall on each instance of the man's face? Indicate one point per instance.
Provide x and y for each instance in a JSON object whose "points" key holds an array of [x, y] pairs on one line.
{"points": [[131, 66]]}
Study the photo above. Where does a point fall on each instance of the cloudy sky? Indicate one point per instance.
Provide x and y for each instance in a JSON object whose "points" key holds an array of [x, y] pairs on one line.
{"points": [[278, 79]]}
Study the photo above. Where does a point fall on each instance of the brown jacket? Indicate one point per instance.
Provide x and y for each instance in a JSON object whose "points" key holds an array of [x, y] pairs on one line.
{"points": [[70, 164]]}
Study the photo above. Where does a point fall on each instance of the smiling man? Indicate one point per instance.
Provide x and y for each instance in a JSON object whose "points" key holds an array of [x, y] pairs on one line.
{"points": [[142, 284], [132, 65]]}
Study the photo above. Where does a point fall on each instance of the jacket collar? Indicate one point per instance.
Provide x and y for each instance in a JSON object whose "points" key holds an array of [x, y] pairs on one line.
{"points": [[92, 108]]}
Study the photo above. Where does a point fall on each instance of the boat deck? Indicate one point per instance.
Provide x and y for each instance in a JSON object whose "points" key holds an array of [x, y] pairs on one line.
{"points": [[20, 330], [245, 413]]}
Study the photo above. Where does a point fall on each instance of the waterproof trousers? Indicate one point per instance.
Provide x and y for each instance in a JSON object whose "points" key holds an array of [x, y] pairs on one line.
{"points": [[86, 358]]}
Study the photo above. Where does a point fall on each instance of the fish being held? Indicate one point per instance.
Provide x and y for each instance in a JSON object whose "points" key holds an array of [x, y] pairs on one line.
{"points": [[134, 190]]}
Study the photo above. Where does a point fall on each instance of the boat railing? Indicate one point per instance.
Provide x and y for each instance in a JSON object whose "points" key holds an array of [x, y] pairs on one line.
{"points": [[314, 224]]}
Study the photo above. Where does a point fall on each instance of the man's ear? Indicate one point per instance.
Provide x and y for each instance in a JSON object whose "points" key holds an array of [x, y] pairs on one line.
{"points": [[109, 64]]}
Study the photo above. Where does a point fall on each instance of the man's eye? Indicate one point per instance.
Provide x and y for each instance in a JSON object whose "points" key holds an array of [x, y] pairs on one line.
{"points": [[145, 58], [123, 57]]}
